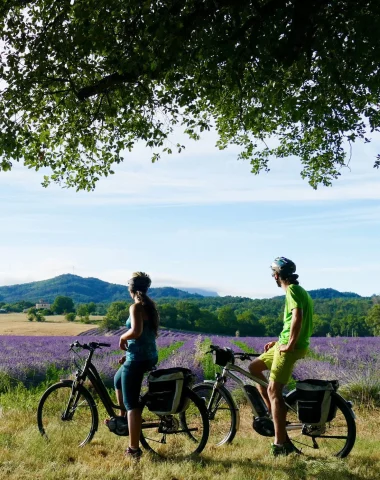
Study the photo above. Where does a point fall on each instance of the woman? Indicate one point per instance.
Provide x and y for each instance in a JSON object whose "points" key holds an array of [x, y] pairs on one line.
{"points": [[139, 341]]}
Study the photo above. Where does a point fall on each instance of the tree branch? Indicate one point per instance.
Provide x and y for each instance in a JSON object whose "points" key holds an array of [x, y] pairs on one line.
{"points": [[105, 84]]}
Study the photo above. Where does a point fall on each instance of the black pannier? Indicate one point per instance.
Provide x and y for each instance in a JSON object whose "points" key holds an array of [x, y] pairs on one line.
{"points": [[166, 390], [315, 404], [223, 356]]}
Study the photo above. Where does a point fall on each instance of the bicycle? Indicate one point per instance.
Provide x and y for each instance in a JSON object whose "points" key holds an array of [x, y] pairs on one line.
{"points": [[67, 411], [336, 437]]}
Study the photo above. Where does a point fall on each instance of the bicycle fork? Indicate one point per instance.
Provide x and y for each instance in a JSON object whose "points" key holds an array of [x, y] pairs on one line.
{"points": [[72, 403]]}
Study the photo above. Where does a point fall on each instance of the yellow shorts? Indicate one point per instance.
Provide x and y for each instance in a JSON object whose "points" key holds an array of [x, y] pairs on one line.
{"points": [[281, 364]]}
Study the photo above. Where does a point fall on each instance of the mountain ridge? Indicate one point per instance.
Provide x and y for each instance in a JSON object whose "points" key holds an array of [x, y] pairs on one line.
{"points": [[81, 290], [91, 289]]}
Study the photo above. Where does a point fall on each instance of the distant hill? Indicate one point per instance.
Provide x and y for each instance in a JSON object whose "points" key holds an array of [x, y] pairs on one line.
{"points": [[328, 293], [85, 290], [81, 290], [201, 291]]}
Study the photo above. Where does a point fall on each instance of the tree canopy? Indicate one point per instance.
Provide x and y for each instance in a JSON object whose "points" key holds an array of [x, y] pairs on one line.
{"points": [[62, 304], [83, 80]]}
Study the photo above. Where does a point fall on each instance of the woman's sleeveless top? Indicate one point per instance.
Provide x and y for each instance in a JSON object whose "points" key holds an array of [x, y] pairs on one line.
{"points": [[144, 347]]}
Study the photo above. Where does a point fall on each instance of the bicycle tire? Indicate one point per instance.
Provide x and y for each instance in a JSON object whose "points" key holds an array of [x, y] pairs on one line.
{"points": [[178, 436], [82, 418], [223, 426], [327, 443]]}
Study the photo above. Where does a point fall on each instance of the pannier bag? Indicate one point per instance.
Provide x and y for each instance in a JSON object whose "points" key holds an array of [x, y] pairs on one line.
{"points": [[166, 390], [222, 356], [315, 404]]}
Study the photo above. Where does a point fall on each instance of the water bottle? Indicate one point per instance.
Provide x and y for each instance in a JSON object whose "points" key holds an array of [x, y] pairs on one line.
{"points": [[256, 400]]}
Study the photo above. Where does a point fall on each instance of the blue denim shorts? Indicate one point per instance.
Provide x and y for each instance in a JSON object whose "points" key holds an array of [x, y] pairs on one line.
{"points": [[129, 379]]}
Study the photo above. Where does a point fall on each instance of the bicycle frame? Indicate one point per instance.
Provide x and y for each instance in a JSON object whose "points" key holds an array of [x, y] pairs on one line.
{"points": [[90, 372], [227, 373]]}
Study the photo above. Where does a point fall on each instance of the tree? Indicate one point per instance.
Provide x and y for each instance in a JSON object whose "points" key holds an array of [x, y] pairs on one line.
{"points": [[248, 324], [84, 81], [91, 308], [273, 325], [188, 314], [207, 321], [321, 325], [35, 315], [70, 317], [117, 314], [168, 315], [373, 319], [62, 305], [227, 319], [82, 310]]}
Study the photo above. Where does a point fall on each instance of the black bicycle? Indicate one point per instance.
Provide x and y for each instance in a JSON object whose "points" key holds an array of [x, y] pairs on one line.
{"points": [[334, 437], [67, 412]]}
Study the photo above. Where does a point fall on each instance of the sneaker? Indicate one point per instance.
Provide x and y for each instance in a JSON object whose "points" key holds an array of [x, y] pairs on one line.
{"points": [[133, 454], [285, 449]]}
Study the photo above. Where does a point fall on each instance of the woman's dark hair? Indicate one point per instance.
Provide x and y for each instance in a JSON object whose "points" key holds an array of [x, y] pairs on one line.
{"points": [[139, 284]]}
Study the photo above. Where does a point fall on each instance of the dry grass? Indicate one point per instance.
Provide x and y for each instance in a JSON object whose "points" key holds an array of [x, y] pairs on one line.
{"points": [[18, 324], [25, 455]]}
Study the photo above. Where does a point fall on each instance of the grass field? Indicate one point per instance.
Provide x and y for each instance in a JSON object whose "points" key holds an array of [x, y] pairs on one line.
{"points": [[18, 324], [25, 455]]}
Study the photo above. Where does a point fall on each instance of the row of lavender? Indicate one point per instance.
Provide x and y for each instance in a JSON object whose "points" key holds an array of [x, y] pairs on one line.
{"points": [[29, 359]]}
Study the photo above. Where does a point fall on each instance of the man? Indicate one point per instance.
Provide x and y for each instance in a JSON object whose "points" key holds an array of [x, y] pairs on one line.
{"points": [[279, 357]]}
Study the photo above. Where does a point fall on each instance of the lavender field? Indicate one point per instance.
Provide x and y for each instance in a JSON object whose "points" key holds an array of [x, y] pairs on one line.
{"points": [[355, 362]]}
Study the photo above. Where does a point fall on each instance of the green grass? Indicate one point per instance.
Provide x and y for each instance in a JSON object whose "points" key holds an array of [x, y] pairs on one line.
{"points": [[165, 352], [205, 359], [243, 346], [25, 455]]}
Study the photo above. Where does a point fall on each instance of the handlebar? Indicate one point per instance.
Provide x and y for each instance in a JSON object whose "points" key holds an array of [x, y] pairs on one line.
{"points": [[89, 346], [241, 355]]}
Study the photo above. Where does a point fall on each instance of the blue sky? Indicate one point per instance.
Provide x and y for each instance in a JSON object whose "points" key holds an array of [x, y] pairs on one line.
{"points": [[198, 219]]}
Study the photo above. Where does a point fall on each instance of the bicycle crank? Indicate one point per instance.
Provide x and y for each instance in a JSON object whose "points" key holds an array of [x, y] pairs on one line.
{"points": [[263, 426]]}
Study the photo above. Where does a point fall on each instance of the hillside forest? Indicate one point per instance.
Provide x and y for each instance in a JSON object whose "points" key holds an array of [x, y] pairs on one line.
{"points": [[356, 316]]}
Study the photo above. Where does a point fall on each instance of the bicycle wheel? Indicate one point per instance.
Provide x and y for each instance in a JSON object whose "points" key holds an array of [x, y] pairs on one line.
{"points": [[222, 413], [179, 435], [335, 438], [67, 416]]}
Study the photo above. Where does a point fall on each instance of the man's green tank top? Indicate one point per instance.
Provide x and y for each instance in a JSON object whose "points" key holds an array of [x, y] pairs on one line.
{"points": [[297, 297]]}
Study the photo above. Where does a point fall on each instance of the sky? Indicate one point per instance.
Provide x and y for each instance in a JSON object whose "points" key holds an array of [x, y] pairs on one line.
{"points": [[197, 219]]}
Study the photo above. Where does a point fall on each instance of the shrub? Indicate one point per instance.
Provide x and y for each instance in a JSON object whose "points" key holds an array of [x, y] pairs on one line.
{"points": [[70, 317]]}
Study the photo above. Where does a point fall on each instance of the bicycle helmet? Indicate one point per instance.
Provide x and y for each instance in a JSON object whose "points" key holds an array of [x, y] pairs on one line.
{"points": [[283, 266]]}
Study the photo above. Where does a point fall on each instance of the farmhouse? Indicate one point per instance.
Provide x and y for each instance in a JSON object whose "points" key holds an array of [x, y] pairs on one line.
{"points": [[42, 305]]}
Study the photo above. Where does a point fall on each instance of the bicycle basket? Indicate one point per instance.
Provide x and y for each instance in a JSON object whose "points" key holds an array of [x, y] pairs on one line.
{"points": [[315, 405], [223, 356], [166, 390]]}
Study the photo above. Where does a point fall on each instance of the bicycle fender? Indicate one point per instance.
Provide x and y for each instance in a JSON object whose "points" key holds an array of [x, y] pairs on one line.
{"points": [[66, 380], [349, 404]]}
